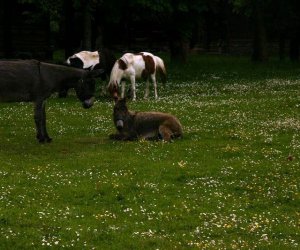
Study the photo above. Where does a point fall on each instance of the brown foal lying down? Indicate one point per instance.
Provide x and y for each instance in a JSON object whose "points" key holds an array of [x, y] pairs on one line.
{"points": [[144, 125]]}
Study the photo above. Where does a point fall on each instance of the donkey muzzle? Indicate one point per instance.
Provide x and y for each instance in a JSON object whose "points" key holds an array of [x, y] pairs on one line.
{"points": [[88, 103], [119, 124]]}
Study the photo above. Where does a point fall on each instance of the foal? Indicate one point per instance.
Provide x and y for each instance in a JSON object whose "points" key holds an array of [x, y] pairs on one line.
{"points": [[134, 66], [133, 125]]}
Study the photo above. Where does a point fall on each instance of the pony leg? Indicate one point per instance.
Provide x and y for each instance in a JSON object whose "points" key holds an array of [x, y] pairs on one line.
{"points": [[154, 85], [147, 89], [132, 79], [123, 89]]}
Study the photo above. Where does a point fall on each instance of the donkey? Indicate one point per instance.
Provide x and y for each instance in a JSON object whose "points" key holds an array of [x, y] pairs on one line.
{"points": [[34, 81], [134, 66], [91, 60], [145, 125]]}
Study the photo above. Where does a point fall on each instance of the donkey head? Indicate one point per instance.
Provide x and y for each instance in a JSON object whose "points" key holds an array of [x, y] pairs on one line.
{"points": [[121, 113], [85, 88]]}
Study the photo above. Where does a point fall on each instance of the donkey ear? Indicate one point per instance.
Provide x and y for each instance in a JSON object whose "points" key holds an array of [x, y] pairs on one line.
{"points": [[94, 73]]}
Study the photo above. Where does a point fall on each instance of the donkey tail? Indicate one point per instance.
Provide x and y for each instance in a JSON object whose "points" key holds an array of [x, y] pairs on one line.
{"points": [[161, 69]]}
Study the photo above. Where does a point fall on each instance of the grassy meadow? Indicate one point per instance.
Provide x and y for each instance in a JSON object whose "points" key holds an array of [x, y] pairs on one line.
{"points": [[232, 181]]}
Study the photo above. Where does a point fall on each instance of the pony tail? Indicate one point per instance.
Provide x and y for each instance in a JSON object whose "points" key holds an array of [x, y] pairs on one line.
{"points": [[161, 69]]}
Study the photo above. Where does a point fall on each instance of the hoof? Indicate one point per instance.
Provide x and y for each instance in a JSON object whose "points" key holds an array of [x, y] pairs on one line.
{"points": [[44, 140]]}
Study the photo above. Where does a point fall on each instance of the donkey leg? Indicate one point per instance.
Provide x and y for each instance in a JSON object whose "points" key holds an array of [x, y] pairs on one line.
{"points": [[47, 138], [165, 133], [38, 118]]}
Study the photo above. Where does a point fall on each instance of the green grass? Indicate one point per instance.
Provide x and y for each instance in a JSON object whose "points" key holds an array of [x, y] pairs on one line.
{"points": [[232, 182]]}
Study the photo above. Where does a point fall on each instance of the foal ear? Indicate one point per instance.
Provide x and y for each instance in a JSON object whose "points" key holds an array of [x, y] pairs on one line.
{"points": [[94, 73]]}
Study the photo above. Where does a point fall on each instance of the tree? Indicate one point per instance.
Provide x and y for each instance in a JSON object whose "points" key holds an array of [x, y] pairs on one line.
{"points": [[259, 37], [255, 10], [7, 8], [178, 18]]}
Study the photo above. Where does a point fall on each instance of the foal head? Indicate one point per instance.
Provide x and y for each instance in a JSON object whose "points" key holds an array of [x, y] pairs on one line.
{"points": [[121, 114]]}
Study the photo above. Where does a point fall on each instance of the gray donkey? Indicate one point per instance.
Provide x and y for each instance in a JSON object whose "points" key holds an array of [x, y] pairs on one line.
{"points": [[34, 81], [133, 125]]}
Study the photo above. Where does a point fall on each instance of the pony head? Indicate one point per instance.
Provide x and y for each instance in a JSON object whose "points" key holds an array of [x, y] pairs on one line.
{"points": [[114, 90]]}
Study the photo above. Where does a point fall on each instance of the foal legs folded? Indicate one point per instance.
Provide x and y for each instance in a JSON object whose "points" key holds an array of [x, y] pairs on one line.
{"points": [[40, 122]]}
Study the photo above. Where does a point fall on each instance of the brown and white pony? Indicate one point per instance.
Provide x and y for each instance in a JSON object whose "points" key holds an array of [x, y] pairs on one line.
{"points": [[134, 66]]}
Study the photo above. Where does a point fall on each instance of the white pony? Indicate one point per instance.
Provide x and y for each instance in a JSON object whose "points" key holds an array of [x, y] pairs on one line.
{"points": [[134, 66]]}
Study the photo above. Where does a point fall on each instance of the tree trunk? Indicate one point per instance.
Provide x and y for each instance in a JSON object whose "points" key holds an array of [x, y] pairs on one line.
{"points": [[7, 28], [225, 26], [87, 27], [178, 40], [50, 42], [99, 38], [208, 31], [281, 47], [179, 50], [69, 36], [259, 39], [294, 48]]}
